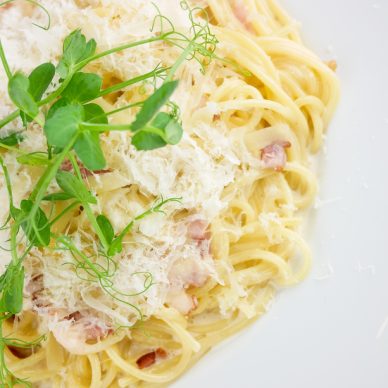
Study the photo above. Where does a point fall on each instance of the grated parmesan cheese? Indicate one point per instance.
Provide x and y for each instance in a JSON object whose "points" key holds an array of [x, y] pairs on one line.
{"points": [[206, 161]]}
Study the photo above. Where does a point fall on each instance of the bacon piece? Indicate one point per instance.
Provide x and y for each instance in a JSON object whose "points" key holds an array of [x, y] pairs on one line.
{"points": [[332, 64], [161, 353], [76, 316], [92, 330], [188, 273], [86, 173], [241, 12], [95, 332], [197, 230], [147, 360], [274, 155], [73, 336], [181, 301], [150, 358], [35, 288], [21, 352]]}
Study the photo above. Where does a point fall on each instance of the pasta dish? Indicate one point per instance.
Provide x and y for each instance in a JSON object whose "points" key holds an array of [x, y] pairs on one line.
{"points": [[155, 165]]}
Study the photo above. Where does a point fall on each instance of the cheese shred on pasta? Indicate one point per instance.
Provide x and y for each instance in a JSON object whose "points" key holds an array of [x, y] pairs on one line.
{"points": [[251, 123]]}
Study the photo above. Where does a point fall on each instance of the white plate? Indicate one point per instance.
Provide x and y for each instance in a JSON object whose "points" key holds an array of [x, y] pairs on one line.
{"points": [[330, 333]]}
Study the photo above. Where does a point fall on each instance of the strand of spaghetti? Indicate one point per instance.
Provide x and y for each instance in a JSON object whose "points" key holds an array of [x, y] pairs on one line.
{"points": [[109, 376], [171, 318], [283, 19], [257, 274], [296, 52], [242, 46], [262, 104], [305, 179], [315, 109], [19, 365], [284, 273], [95, 365]]}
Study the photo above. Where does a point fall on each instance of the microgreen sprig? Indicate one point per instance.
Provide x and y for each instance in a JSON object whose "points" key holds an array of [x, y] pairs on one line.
{"points": [[72, 123]]}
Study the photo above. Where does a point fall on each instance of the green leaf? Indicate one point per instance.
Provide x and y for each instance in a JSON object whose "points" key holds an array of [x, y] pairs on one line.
{"points": [[95, 114], [62, 102], [40, 79], [71, 185], [145, 141], [88, 149], [153, 104], [58, 197], [89, 50], [174, 132], [83, 87], [63, 125], [38, 234], [11, 288], [116, 246], [75, 50], [170, 126], [11, 140], [18, 90], [34, 159], [106, 228], [15, 212]]}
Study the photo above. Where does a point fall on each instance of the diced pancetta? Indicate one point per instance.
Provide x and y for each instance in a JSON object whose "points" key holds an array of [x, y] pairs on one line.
{"points": [[274, 155]]}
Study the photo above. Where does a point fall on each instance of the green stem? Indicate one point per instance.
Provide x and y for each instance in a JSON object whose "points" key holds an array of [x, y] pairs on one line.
{"points": [[45, 180], [94, 127], [9, 118], [178, 62], [112, 112], [63, 212], [155, 131], [88, 209], [76, 252], [7, 182], [12, 148], [121, 85], [13, 243], [95, 119], [119, 127], [126, 46], [40, 190], [38, 5], [4, 62]]}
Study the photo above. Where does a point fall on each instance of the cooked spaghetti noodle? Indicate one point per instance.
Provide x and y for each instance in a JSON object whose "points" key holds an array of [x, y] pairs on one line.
{"points": [[251, 120]]}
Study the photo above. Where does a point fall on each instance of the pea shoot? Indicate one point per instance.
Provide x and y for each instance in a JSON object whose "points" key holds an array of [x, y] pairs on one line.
{"points": [[72, 123]]}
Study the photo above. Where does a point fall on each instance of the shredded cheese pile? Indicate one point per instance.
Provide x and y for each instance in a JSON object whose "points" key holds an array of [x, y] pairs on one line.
{"points": [[206, 161]]}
